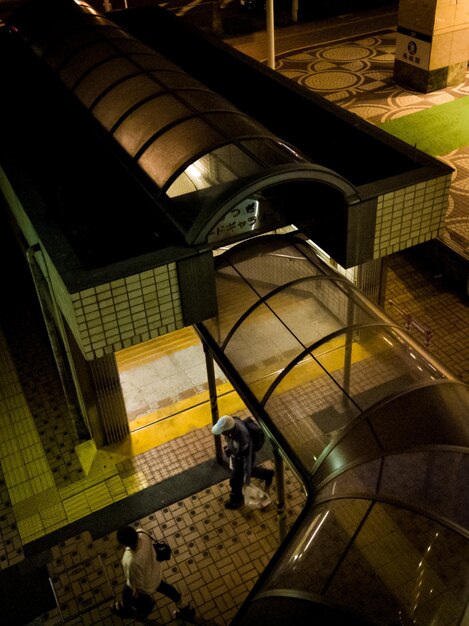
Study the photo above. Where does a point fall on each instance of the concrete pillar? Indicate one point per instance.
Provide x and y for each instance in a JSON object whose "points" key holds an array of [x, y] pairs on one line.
{"points": [[432, 44]]}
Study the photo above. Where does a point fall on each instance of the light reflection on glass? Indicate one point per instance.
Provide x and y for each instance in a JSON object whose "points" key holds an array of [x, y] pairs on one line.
{"points": [[313, 529]]}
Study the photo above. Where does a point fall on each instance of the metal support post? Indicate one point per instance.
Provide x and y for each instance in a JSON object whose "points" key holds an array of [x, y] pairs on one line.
{"points": [[212, 390], [281, 511], [294, 11], [270, 33]]}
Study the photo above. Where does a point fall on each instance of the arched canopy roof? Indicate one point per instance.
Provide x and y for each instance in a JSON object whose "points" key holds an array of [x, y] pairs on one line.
{"points": [[322, 365], [219, 175], [375, 426]]}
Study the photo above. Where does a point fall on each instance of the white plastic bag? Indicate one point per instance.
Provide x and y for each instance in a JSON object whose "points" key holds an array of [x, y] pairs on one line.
{"points": [[255, 497]]}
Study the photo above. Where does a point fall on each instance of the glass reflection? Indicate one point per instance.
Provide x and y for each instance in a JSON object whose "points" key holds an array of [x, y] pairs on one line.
{"points": [[374, 363], [232, 162], [391, 565]]}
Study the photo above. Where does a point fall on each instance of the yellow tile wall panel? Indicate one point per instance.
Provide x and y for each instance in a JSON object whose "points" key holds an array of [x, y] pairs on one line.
{"points": [[445, 16], [462, 11], [440, 53]]}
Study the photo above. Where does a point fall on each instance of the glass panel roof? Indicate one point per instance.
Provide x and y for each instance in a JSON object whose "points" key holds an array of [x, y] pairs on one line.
{"points": [[427, 480], [310, 349], [215, 172], [374, 362], [231, 162], [156, 114], [308, 408], [388, 564]]}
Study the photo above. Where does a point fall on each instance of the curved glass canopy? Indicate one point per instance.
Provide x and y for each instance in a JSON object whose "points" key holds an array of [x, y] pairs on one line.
{"points": [[312, 352], [215, 172], [376, 427], [376, 562]]}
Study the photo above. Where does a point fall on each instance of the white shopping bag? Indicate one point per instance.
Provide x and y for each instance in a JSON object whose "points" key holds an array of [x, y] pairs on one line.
{"points": [[255, 497]]}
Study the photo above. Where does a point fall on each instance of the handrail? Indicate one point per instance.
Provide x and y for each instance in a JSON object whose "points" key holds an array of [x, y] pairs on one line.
{"points": [[410, 323]]}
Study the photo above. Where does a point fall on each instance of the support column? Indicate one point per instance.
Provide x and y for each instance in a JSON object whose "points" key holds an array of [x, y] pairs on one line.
{"points": [[432, 44], [112, 424]]}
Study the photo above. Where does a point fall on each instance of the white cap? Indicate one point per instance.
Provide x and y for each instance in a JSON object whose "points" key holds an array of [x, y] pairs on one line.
{"points": [[226, 422]]}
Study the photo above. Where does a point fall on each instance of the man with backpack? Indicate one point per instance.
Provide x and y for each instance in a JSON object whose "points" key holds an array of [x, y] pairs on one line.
{"points": [[241, 452]]}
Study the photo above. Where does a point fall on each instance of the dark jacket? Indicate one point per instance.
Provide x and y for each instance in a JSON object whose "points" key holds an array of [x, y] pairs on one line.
{"points": [[239, 447]]}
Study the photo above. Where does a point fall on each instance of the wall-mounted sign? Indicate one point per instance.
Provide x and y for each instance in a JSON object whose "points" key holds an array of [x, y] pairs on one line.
{"points": [[413, 50], [247, 216]]}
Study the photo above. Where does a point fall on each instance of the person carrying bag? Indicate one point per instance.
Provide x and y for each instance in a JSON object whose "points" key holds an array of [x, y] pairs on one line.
{"points": [[241, 455], [143, 577]]}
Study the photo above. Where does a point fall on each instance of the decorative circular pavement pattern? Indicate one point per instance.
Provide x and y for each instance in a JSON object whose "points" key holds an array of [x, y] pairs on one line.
{"points": [[357, 74]]}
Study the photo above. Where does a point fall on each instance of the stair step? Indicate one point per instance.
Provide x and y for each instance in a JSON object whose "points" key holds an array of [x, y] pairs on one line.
{"points": [[155, 348]]}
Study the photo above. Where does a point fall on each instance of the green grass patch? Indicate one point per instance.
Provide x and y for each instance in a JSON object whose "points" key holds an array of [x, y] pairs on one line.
{"points": [[437, 130]]}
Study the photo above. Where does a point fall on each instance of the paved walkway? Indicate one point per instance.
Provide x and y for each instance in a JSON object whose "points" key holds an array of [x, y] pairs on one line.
{"points": [[356, 73], [65, 528]]}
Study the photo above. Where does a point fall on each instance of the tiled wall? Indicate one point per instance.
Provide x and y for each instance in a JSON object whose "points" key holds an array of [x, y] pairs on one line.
{"points": [[450, 33], [446, 21], [115, 315], [121, 313], [417, 15], [127, 311], [410, 216]]}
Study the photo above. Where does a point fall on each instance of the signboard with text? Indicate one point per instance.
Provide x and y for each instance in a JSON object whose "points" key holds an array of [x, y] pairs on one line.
{"points": [[248, 216], [413, 50]]}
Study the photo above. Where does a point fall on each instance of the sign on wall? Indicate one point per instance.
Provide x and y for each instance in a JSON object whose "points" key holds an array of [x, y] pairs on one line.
{"points": [[413, 49], [248, 216]]}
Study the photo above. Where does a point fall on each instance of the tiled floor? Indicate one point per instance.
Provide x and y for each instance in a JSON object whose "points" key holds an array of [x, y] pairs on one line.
{"points": [[357, 74], [218, 554]]}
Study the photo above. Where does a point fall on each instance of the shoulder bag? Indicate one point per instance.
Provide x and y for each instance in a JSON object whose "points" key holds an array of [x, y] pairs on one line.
{"points": [[161, 548]]}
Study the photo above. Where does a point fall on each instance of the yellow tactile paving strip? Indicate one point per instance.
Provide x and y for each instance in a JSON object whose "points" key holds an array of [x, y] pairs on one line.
{"points": [[213, 560], [39, 506], [24, 465], [155, 348], [105, 482]]}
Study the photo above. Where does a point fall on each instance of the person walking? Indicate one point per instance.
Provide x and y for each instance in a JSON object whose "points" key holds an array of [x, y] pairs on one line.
{"points": [[242, 457], [143, 577]]}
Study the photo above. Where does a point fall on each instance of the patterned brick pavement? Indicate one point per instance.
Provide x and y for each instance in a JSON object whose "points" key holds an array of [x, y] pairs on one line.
{"points": [[357, 74]]}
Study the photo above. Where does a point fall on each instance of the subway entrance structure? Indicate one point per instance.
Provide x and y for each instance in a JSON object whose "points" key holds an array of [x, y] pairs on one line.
{"points": [[124, 175]]}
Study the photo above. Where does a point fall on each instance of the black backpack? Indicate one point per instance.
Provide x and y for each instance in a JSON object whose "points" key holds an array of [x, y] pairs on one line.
{"points": [[256, 432]]}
